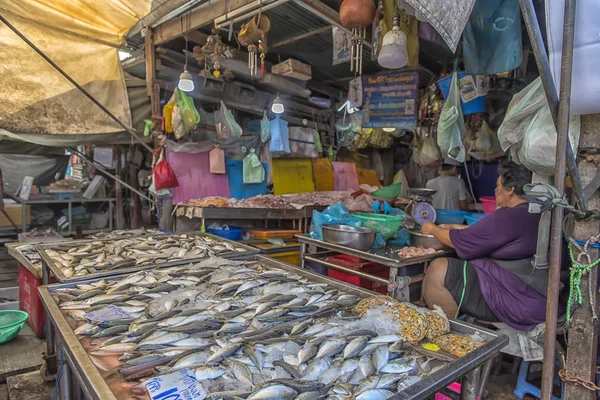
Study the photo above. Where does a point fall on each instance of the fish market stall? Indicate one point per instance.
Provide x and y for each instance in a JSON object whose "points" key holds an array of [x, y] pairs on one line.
{"points": [[391, 256], [255, 329]]}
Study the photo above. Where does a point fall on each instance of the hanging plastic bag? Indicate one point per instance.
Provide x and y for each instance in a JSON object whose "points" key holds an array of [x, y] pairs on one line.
{"points": [[486, 145], [416, 146], [265, 132], [163, 175], [253, 171], [168, 114], [226, 125], [189, 114], [216, 159], [451, 125], [492, 38], [317, 140], [178, 128], [430, 152], [279, 136]]}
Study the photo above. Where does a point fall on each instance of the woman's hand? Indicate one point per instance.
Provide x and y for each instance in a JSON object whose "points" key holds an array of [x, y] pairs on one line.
{"points": [[428, 227]]}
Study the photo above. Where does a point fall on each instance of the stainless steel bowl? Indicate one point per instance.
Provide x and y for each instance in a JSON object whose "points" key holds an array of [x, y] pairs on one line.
{"points": [[349, 236], [419, 239]]}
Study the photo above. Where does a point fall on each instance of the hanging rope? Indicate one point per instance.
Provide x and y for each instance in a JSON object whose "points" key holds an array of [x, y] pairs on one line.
{"points": [[578, 270]]}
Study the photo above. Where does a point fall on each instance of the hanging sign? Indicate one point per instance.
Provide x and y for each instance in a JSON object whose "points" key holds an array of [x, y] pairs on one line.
{"points": [[389, 100], [341, 45]]}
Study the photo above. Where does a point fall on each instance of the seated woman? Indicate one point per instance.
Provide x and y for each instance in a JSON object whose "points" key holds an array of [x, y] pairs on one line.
{"points": [[494, 280]]}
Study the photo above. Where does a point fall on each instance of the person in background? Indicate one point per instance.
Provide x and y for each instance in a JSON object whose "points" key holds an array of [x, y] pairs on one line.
{"points": [[451, 190]]}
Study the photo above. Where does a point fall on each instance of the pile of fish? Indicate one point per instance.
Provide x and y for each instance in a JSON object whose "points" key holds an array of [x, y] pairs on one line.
{"points": [[125, 232], [31, 254], [247, 331], [105, 255]]}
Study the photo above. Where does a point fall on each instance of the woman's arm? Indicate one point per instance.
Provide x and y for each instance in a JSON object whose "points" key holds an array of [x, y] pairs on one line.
{"points": [[440, 233], [454, 226]]}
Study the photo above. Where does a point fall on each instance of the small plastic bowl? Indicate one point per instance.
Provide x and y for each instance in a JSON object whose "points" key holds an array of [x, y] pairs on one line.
{"points": [[11, 322], [449, 217]]}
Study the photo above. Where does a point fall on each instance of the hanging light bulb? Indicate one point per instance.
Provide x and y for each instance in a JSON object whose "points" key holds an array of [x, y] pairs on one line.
{"points": [[277, 107], [389, 129], [186, 84], [393, 52]]}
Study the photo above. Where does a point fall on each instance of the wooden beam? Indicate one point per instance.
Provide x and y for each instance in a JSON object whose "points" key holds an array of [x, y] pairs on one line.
{"points": [[150, 57], [316, 32], [197, 18], [159, 11]]}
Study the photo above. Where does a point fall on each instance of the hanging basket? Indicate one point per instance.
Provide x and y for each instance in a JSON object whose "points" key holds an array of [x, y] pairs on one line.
{"points": [[252, 30]]}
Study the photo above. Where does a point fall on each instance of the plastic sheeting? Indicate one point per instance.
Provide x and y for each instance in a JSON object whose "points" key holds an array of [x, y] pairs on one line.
{"points": [[15, 167], [82, 38]]}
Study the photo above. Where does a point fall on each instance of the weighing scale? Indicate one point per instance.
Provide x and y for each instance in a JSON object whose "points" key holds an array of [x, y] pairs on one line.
{"points": [[420, 208]]}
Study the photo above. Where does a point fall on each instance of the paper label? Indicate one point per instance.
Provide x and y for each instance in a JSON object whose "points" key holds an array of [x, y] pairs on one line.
{"points": [[108, 313], [180, 385], [468, 91], [62, 222]]}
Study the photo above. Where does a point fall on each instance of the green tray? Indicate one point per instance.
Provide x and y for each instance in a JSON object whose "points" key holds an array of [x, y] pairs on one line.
{"points": [[388, 192], [387, 225], [11, 322]]}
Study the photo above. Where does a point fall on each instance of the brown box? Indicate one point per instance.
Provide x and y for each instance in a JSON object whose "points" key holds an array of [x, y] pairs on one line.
{"points": [[293, 69], [14, 212]]}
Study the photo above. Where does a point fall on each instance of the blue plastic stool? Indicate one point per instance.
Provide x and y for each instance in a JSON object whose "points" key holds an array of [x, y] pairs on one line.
{"points": [[523, 386]]}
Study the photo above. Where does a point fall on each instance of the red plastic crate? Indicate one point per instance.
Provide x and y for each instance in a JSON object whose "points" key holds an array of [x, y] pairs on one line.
{"points": [[355, 263], [29, 301]]}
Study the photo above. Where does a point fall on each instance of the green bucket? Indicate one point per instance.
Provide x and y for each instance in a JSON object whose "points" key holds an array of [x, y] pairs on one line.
{"points": [[387, 225], [11, 322]]}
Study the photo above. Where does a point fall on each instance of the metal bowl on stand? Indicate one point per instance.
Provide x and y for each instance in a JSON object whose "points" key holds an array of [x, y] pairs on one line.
{"points": [[349, 236], [419, 239]]}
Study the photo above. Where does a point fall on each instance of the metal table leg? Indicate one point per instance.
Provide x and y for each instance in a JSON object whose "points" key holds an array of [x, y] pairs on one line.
{"points": [[50, 356], [24, 217], [485, 374], [392, 289], [65, 384], [302, 254], [470, 385], [110, 215], [70, 206]]}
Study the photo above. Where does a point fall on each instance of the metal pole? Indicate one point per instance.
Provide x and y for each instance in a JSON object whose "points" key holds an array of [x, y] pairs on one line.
{"points": [[103, 170], [541, 59], [558, 213], [348, 270], [77, 85]]}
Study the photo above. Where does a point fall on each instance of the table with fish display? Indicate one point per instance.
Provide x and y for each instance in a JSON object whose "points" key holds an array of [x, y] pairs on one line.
{"points": [[387, 256], [85, 259], [255, 329]]}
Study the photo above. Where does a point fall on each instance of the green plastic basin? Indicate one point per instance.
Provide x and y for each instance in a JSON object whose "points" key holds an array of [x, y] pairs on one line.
{"points": [[11, 322]]}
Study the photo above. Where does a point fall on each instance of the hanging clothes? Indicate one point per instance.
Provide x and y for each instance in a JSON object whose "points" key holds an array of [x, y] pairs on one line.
{"points": [[279, 136]]}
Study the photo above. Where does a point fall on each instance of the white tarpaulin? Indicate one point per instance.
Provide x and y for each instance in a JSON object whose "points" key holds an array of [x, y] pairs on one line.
{"points": [[80, 36], [585, 89], [448, 18]]}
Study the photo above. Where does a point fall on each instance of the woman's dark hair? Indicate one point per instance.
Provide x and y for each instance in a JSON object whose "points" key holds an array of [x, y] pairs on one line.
{"points": [[514, 175]]}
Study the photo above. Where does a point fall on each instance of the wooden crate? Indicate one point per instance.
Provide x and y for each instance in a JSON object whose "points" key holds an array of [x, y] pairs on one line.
{"points": [[14, 212]]}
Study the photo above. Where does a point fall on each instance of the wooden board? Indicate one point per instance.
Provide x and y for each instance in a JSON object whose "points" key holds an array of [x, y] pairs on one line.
{"points": [[14, 212], [28, 386], [23, 354]]}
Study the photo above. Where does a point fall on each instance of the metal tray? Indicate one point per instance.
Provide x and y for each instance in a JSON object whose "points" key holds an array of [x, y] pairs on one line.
{"points": [[97, 388], [58, 274]]}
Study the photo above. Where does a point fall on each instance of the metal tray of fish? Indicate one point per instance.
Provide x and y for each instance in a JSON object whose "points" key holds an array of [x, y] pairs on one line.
{"points": [[255, 329], [90, 258]]}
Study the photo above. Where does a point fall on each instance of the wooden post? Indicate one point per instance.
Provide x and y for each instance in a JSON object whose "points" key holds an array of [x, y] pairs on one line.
{"points": [[150, 56], [583, 335], [136, 204], [119, 192]]}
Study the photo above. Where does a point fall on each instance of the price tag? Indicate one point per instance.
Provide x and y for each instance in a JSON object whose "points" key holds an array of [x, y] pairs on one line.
{"points": [[108, 313], [180, 385]]}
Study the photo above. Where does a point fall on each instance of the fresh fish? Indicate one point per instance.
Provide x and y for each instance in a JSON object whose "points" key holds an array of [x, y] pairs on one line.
{"points": [[388, 381], [349, 366], [374, 394], [307, 352], [290, 369], [256, 356], [113, 330], [249, 285], [240, 371], [274, 392], [365, 364], [368, 383], [77, 315], [331, 347], [118, 348], [401, 366], [386, 339], [229, 395], [380, 357], [355, 347], [87, 329], [223, 352], [166, 338], [315, 395], [301, 327], [204, 373], [406, 381], [315, 369]]}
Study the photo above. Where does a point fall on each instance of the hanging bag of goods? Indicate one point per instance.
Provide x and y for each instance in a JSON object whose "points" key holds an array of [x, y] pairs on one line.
{"points": [[451, 126], [187, 109], [253, 170], [226, 125], [163, 175]]}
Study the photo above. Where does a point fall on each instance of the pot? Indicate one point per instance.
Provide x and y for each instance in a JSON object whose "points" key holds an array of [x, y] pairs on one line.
{"points": [[349, 236], [419, 239], [357, 13]]}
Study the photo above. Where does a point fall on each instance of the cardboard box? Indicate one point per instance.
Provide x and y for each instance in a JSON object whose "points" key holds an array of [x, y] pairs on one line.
{"points": [[293, 69], [14, 212]]}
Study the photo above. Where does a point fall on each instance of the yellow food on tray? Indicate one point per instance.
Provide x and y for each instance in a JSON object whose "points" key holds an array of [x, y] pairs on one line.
{"points": [[458, 345], [437, 323]]}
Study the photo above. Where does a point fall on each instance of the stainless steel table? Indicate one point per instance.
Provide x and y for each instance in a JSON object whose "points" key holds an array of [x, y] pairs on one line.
{"points": [[82, 380], [386, 256]]}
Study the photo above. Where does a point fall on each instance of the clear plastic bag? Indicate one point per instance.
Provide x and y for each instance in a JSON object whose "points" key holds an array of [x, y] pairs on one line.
{"points": [[334, 214], [253, 171], [226, 125], [451, 125], [430, 152], [265, 132]]}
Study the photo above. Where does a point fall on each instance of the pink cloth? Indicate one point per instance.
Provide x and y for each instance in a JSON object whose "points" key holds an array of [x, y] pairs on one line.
{"points": [[195, 179], [345, 177]]}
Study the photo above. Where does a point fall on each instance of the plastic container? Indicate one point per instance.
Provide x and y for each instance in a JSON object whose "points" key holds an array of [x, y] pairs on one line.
{"points": [[388, 192], [473, 218], [387, 225], [290, 257], [449, 217], [318, 268], [361, 265], [11, 322], [470, 107], [455, 387], [30, 302], [237, 188], [276, 234], [233, 233], [489, 204]]}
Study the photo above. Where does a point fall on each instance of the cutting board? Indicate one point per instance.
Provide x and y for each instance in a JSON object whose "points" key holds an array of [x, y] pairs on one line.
{"points": [[292, 175], [345, 176], [195, 179]]}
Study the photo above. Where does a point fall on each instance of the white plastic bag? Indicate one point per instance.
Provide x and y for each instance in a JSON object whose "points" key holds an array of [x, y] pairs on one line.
{"points": [[529, 131], [451, 125], [430, 152], [486, 145], [226, 125]]}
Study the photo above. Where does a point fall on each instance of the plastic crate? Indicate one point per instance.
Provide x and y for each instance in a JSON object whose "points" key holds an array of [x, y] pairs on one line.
{"points": [[233, 233], [361, 265], [30, 302], [318, 268]]}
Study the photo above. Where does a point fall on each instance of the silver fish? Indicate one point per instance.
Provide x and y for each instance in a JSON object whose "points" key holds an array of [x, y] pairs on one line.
{"points": [[365, 364], [204, 373], [190, 359], [223, 352], [307, 352], [380, 356], [331, 347], [315, 369], [167, 338], [368, 383], [374, 394], [386, 339], [407, 381], [355, 347], [387, 381], [240, 371], [256, 356], [401, 366], [274, 392]]}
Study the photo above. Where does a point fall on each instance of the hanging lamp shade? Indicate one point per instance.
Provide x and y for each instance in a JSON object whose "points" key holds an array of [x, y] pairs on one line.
{"points": [[186, 83], [277, 107], [393, 54], [357, 13]]}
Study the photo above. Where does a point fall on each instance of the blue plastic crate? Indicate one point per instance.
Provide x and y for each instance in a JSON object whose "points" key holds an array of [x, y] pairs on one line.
{"points": [[233, 233]]}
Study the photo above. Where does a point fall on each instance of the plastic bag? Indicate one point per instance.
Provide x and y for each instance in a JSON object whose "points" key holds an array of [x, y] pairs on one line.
{"points": [[486, 145], [265, 132], [168, 114], [177, 122], [492, 38], [529, 131], [317, 140], [163, 175], [279, 136], [451, 125], [253, 171], [216, 159], [430, 152], [334, 214], [187, 109], [226, 125]]}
